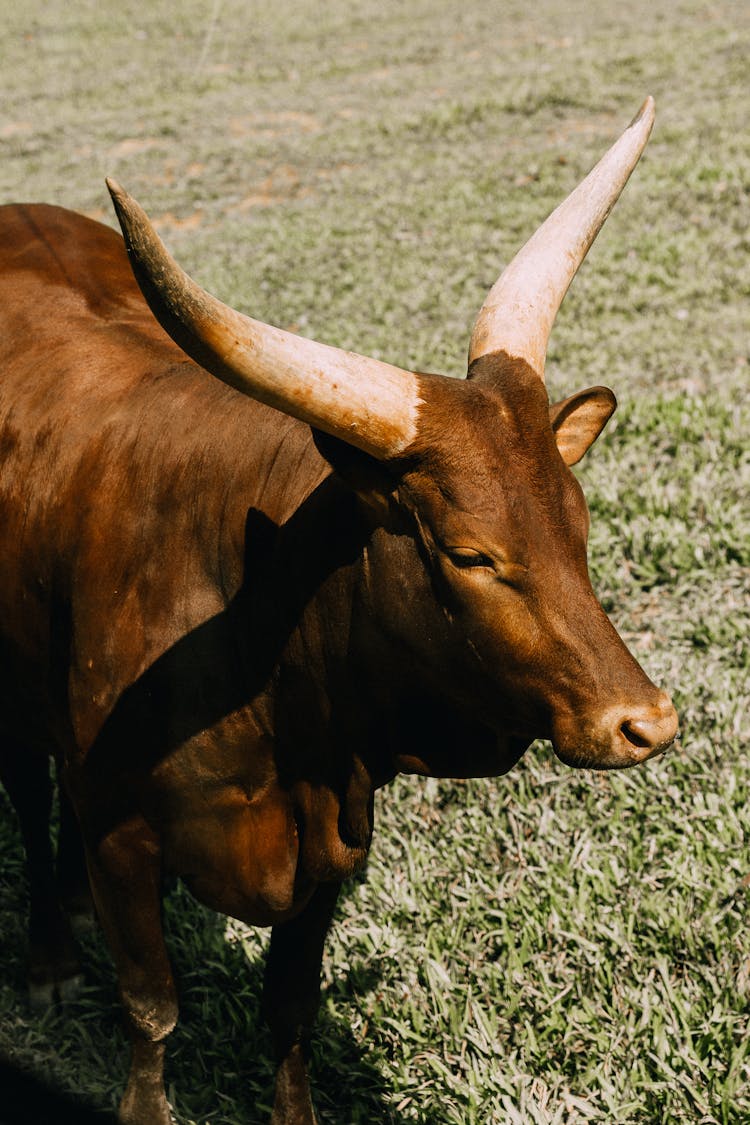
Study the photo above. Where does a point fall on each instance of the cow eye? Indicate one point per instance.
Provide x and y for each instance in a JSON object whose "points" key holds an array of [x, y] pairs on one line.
{"points": [[466, 558]]}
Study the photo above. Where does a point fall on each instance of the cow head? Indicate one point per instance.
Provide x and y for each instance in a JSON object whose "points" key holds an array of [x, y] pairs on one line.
{"points": [[476, 513]]}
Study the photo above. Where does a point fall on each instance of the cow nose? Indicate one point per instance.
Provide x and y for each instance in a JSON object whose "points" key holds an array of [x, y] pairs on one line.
{"points": [[649, 729]]}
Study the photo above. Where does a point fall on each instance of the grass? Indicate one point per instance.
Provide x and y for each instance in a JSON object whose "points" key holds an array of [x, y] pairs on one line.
{"points": [[553, 947]]}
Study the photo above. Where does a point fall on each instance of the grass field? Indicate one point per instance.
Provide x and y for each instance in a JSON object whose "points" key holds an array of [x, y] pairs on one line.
{"points": [[555, 946]]}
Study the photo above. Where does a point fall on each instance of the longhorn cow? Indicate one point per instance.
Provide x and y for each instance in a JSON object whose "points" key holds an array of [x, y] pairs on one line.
{"points": [[247, 578]]}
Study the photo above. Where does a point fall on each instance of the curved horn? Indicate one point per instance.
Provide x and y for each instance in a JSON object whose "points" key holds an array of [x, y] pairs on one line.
{"points": [[520, 309], [369, 404]]}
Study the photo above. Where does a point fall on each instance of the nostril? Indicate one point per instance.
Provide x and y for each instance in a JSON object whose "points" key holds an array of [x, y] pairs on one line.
{"points": [[650, 730], [639, 733], [626, 734]]}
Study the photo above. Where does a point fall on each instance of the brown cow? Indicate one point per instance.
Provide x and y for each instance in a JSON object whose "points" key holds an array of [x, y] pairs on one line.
{"points": [[231, 612]]}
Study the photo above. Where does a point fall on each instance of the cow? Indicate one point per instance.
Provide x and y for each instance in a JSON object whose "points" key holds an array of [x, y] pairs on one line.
{"points": [[248, 578]]}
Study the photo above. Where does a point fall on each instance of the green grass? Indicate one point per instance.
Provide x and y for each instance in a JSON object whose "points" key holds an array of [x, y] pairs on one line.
{"points": [[553, 947]]}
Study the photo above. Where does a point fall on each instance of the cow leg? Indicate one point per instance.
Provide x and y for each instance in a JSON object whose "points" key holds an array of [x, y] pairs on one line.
{"points": [[72, 876], [291, 995], [125, 876], [54, 970]]}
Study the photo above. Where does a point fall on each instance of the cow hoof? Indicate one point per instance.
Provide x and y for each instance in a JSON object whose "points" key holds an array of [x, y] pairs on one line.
{"points": [[70, 989], [41, 995], [294, 1117], [45, 994], [82, 921], [292, 1101], [146, 1111], [78, 906]]}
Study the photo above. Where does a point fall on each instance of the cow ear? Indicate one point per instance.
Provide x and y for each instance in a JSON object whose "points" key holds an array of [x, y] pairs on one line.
{"points": [[369, 478], [577, 421]]}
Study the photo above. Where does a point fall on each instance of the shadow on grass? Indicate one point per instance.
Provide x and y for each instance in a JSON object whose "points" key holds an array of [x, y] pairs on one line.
{"points": [[27, 1100], [222, 1046], [219, 1065]]}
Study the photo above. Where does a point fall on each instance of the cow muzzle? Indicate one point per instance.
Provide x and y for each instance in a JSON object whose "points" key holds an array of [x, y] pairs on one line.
{"points": [[619, 737]]}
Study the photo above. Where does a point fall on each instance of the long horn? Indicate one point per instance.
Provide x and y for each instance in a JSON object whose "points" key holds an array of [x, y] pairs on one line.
{"points": [[371, 405], [520, 309]]}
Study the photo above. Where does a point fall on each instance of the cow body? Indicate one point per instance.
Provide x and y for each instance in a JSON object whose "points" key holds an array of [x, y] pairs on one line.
{"points": [[230, 629], [134, 639]]}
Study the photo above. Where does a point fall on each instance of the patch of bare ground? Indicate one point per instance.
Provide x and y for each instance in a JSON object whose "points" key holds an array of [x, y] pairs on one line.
{"points": [[168, 221], [273, 124]]}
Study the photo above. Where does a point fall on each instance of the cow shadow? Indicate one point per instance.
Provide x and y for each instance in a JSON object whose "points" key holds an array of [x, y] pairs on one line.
{"points": [[219, 1064], [28, 1099], [348, 1088]]}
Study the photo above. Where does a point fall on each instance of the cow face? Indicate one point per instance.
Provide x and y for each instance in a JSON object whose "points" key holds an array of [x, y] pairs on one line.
{"points": [[482, 573]]}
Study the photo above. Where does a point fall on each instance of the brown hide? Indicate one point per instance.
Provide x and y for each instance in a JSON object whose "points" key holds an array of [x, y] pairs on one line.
{"points": [[228, 647], [179, 539]]}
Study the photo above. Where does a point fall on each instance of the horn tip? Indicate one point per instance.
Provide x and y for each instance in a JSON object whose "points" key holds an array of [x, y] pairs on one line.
{"points": [[129, 214], [120, 198], [113, 187], [645, 114]]}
